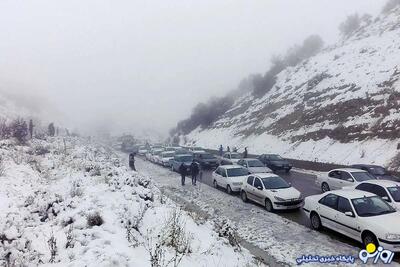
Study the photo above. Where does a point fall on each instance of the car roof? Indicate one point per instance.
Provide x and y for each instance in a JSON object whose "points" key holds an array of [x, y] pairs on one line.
{"points": [[232, 166], [384, 183], [348, 170], [247, 159], [184, 155], [265, 175], [351, 194]]}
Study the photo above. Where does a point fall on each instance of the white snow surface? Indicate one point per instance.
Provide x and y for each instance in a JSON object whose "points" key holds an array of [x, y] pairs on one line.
{"points": [[48, 190], [363, 67]]}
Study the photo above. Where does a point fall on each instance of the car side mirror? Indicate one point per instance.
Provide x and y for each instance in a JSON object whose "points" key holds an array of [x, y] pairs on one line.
{"points": [[290, 184], [350, 179], [386, 198], [259, 187], [349, 214]]}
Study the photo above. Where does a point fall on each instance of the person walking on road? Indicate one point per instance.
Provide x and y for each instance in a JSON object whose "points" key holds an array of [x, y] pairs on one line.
{"points": [[132, 161], [235, 149], [228, 149], [182, 171], [221, 150], [245, 153], [194, 168]]}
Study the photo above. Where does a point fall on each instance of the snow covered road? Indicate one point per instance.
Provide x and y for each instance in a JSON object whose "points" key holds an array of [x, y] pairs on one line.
{"points": [[280, 238]]}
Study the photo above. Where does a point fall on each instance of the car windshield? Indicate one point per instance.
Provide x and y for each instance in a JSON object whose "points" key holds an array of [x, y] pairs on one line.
{"points": [[235, 156], [180, 152], [237, 172], [207, 156], [157, 152], [185, 158], [275, 157], [395, 193], [371, 206], [274, 182], [255, 163], [377, 170], [362, 176], [168, 155]]}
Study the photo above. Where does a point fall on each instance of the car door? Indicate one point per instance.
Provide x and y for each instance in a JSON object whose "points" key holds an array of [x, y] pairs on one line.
{"points": [[334, 179], [347, 224], [258, 190], [380, 191], [250, 188], [327, 210], [346, 179], [217, 175]]}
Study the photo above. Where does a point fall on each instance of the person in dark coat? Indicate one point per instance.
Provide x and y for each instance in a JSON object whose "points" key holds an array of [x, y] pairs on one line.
{"points": [[245, 153], [194, 168], [182, 171], [221, 150], [132, 161], [228, 149]]}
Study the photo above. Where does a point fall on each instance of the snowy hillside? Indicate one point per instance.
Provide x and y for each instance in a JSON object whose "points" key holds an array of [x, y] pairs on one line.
{"points": [[341, 105], [74, 203]]}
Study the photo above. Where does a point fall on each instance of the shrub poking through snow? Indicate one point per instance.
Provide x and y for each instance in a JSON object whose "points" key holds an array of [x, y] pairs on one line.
{"points": [[224, 229], [52, 243], [70, 237], [76, 189], [94, 219]]}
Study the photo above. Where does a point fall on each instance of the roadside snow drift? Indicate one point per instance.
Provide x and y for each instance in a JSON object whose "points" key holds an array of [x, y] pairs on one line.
{"points": [[70, 202]]}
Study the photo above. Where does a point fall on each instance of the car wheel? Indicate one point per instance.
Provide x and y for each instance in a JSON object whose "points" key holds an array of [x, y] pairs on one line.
{"points": [[215, 184], [315, 221], [229, 190], [243, 196], [369, 238], [325, 187], [268, 205]]}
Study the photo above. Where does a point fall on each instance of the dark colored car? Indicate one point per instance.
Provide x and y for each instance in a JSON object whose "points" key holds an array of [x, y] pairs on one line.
{"points": [[275, 162], [206, 160], [179, 159], [377, 171]]}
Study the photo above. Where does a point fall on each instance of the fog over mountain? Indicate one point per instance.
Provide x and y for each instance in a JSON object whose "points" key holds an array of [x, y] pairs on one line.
{"points": [[106, 66]]}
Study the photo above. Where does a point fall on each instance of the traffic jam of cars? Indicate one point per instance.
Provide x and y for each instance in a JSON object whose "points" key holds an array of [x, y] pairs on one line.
{"points": [[361, 202]]}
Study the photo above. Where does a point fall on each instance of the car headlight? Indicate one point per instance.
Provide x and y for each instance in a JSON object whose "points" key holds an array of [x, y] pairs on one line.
{"points": [[392, 237], [279, 198]]}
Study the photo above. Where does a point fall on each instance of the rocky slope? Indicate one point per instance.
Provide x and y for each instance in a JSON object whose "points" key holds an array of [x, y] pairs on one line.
{"points": [[340, 106]]}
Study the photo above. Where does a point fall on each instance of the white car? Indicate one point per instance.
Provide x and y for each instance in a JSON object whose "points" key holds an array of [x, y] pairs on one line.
{"points": [[142, 151], [386, 189], [271, 191], [254, 165], [357, 214], [230, 158], [155, 155], [339, 178], [197, 150], [166, 157], [229, 177]]}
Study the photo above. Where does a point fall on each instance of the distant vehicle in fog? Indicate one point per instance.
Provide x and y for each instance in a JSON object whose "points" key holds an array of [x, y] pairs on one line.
{"points": [[206, 160], [166, 157], [230, 158], [253, 165], [176, 162], [275, 162], [339, 178], [142, 151], [197, 149], [378, 171], [155, 155], [182, 152], [271, 191]]}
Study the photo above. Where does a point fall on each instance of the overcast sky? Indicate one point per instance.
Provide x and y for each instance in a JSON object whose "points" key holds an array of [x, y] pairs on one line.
{"points": [[135, 65]]}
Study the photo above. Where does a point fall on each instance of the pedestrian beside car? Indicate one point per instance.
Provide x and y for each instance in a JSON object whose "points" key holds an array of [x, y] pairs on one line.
{"points": [[245, 153], [194, 168], [228, 149], [221, 150], [182, 171], [132, 161], [235, 149]]}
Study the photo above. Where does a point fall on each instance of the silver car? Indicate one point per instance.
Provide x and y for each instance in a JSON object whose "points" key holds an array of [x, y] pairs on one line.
{"points": [[253, 165]]}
